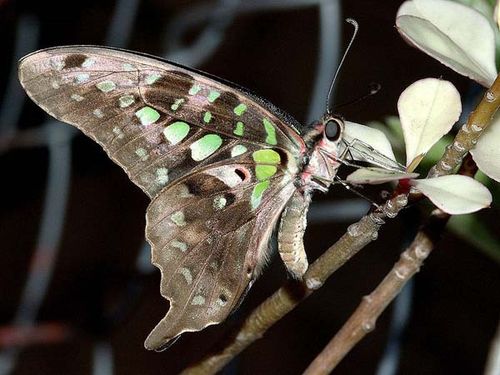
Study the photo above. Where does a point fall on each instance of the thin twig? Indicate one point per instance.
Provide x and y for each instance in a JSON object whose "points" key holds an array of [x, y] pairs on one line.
{"points": [[358, 236], [292, 293], [363, 320], [469, 133]]}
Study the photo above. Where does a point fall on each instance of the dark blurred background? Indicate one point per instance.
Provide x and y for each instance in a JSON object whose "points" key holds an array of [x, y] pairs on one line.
{"points": [[75, 270]]}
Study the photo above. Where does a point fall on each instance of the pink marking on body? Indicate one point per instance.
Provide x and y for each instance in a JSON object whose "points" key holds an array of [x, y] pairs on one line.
{"points": [[404, 186], [305, 178]]}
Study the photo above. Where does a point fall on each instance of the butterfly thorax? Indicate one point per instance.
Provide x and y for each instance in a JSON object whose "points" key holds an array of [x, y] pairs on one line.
{"points": [[322, 162]]}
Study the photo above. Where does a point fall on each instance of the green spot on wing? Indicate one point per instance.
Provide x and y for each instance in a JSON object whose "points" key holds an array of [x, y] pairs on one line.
{"points": [[264, 172], [125, 100], [175, 106], [152, 78], [213, 95], [238, 150], [195, 89], [266, 156], [207, 117], [266, 163], [205, 146], [240, 109], [257, 193], [271, 131], [176, 132], [147, 115], [106, 86], [178, 218], [240, 128]]}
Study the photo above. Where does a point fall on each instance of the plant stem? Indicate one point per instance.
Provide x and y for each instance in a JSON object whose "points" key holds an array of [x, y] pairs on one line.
{"points": [[363, 320], [358, 236], [292, 293], [469, 133]]}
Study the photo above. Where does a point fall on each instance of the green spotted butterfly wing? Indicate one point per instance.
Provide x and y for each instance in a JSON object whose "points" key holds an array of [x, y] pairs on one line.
{"points": [[209, 262], [148, 114], [218, 163]]}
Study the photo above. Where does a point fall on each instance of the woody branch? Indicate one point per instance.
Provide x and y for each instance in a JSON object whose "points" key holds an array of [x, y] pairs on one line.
{"points": [[357, 237], [364, 318]]}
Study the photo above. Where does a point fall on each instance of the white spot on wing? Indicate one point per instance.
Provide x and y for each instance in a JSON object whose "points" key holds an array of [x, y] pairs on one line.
{"points": [[82, 77], [230, 178], [198, 300], [221, 301], [98, 113], [118, 132], [162, 176], [313, 283], [178, 218], [184, 191], [219, 202], [125, 100], [128, 67], [182, 246], [77, 98], [56, 64], [187, 275], [106, 86], [142, 153], [88, 62], [238, 150]]}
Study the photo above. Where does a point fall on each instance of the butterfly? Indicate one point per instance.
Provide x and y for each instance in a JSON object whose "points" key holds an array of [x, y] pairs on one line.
{"points": [[221, 165]]}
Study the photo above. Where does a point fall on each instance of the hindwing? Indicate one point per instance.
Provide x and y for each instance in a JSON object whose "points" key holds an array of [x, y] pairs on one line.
{"points": [[210, 242]]}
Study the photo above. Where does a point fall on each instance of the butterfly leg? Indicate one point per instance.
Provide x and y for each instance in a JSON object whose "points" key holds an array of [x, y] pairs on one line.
{"points": [[348, 187], [291, 234]]}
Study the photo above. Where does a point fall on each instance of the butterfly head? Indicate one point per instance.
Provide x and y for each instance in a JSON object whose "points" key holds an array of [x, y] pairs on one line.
{"points": [[333, 129], [323, 140]]}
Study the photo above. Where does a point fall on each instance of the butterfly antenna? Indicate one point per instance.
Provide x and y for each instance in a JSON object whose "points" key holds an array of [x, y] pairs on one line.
{"points": [[332, 85], [373, 89]]}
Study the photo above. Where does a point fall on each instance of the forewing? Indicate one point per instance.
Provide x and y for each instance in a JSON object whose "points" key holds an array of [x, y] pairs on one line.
{"points": [[155, 119], [210, 240]]}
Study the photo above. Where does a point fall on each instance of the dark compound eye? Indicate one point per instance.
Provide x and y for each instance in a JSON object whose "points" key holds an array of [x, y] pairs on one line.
{"points": [[333, 130]]}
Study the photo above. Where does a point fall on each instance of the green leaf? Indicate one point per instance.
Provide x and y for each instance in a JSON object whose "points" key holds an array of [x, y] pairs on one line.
{"points": [[472, 230]]}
